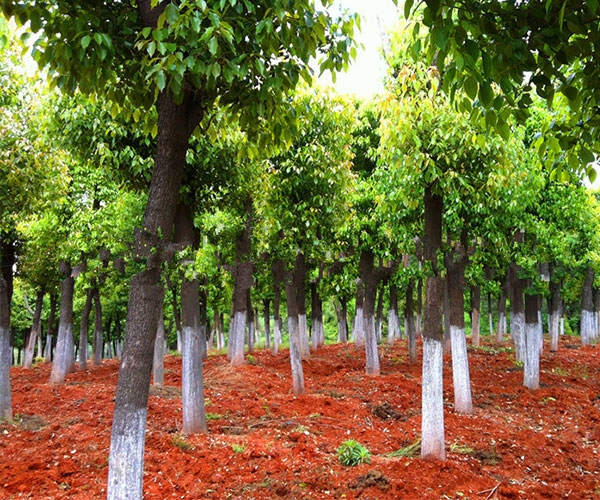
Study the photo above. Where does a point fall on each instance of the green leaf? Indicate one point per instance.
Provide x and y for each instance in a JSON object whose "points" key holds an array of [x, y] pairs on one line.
{"points": [[571, 92], [171, 13], [486, 94], [161, 80], [407, 8], [592, 174], [470, 86], [85, 41], [213, 45], [441, 37], [586, 156]]}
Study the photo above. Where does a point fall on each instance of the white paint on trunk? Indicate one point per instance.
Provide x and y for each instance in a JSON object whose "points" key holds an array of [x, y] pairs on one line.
{"points": [[531, 369], [587, 326], [358, 332], [295, 358], [554, 330], [276, 336], [60, 364], [432, 421], [251, 336], [491, 321], [501, 327], [158, 364], [540, 332], [237, 333], [419, 324], [5, 362], [192, 390], [318, 335], [179, 342], [70, 349], [303, 344], [392, 326], [126, 459], [48, 348], [518, 326], [371, 352], [562, 325], [460, 372]]}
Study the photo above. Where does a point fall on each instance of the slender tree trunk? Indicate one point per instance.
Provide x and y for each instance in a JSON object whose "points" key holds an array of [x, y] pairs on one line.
{"points": [[432, 401], [109, 343], [358, 332], [341, 311], [531, 369], [490, 314], [410, 324], [475, 315], [379, 313], [318, 335], [394, 330], [517, 312], [501, 315], [98, 329], [295, 357], [84, 327], [419, 304], [34, 335], [278, 272], [203, 322], [251, 324], [60, 365], [460, 361], [300, 284], [119, 340], [597, 313], [447, 336], [176, 315], [176, 122], [587, 308], [158, 361], [50, 329], [267, 316], [5, 345], [554, 313]]}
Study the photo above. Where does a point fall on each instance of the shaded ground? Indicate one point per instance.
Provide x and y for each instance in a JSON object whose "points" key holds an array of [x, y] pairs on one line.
{"points": [[266, 444]]}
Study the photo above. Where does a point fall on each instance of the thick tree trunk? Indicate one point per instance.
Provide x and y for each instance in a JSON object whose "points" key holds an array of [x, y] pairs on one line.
{"points": [[531, 369], [158, 359], [475, 315], [358, 331], [175, 125], [410, 324], [194, 416], [432, 401], [517, 313], [60, 365], [98, 330], [203, 323], [267, 317], [5, 349], [460, 361], [368, 278], [295, 357], [587, 308], [34, 334], [394, 330], [300, 284], [84, 327]]}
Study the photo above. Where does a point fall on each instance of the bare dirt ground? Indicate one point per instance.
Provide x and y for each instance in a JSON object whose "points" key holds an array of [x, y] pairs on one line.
{"points": [[264, 443]]}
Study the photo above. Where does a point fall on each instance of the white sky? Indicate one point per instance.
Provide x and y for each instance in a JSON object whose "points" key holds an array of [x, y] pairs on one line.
{"points": [[365, 74]]}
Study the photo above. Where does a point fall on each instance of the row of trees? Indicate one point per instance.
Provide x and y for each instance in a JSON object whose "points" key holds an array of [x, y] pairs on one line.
{"points": [[261, 190]]}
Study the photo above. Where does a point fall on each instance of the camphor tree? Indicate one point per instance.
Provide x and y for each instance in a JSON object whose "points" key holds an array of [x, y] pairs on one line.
{"points": [[182, 58], [440, 155]]}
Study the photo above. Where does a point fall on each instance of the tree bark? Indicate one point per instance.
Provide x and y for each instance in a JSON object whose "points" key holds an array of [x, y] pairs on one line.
{"points": [[5, 345], [278, 272], [475, 315], [379, 313], [318, 335], [517, 312], [419, 304], [410, 323], [358, 331], [394, 330], [531, 369], [300, 284], [587, 308], [295, 357], [341, 311], [554, 312], [369, 279], [501, 315], [176, 122], [158, 359], [98, 330], [432, 401], [60, 365], [50, 329], [34, 334], [251, 324], [84, 329], [267, 316], [447, 337], [460, 362]]}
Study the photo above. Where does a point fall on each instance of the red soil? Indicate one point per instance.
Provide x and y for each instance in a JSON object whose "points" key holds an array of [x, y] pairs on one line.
{"points": [[264, 443]]}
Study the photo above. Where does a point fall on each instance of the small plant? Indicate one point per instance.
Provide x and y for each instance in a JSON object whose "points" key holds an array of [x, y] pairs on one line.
{"points": [[352, 453], [314, 415], [179, 441], [213, 416], [250, 359], [238, 448]]}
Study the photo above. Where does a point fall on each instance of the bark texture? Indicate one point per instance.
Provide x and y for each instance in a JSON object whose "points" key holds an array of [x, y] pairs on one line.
{"points": [[587, 308], [60, 365], [34, 334], [476, 315], [84, 327]]}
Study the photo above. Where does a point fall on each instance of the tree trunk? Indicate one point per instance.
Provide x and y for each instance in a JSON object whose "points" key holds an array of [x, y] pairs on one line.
{"points": [[158, 361], [176, 122], [410, 323], [50, 329], [587, 308], [432, 401], [379, 313], [267, 316], [84, 327], [318, 335], [109, 344], [251, 324], [460, 362], [295, 357], [98, 330], [501, 315], [194, 416], [419, 304], [447, 336], [517, 313], [368, 278], [341, 311], [394, 330], [300, 284], [60, 365], [596, 313], [5, 348], [242, 283], [554, 313], [358, 332], [278, 272], [203, 323], [34, 334], [531, 369], [490, 314], [475, 315], [176, 315]]}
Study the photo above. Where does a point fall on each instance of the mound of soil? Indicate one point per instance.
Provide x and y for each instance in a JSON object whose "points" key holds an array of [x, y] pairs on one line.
{"points": [[265, 443]]}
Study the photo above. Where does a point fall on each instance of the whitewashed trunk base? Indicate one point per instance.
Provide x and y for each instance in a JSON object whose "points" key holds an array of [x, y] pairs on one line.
{"points": [[518, 325], [432, 420], [554, 331], [61, 362], [192, 391], [303, 337], [358, 332], [587, 327], [531, 370], [276, 337], [126, 460], [460, 372], [237, 334], [5, 362]]}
